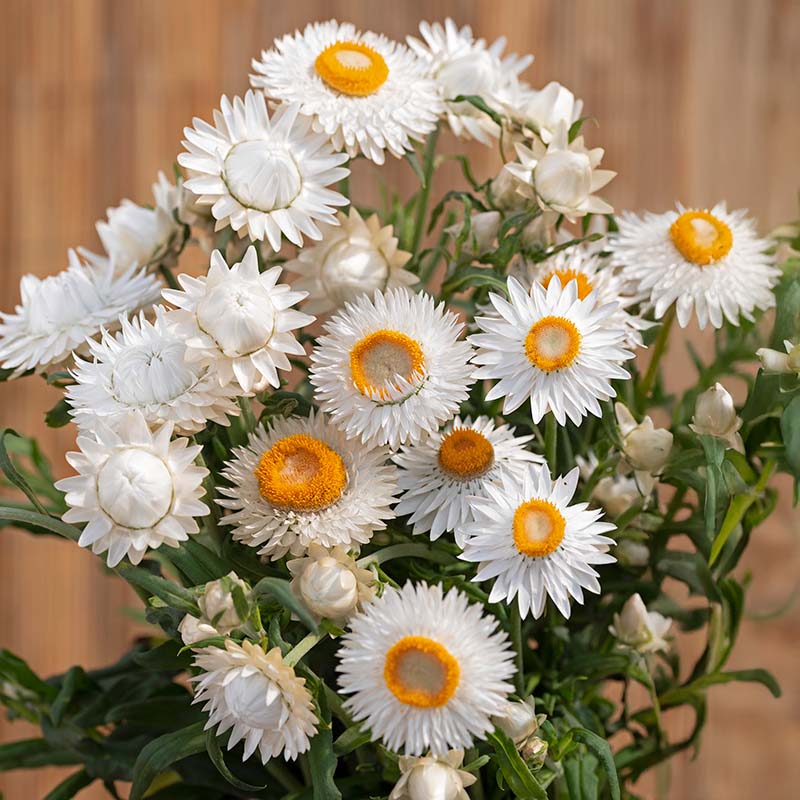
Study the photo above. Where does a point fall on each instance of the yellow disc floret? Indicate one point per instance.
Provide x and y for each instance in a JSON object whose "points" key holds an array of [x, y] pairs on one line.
{"points": [[552, 343], [565, 276], [420, 672], [301, 473], [538, 528], [380, 360], [352, 68], [701, 237], [465, 454]]}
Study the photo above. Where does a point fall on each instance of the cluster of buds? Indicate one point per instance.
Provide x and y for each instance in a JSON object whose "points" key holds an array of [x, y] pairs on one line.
{"points": [[521, 723], [220, 605]]}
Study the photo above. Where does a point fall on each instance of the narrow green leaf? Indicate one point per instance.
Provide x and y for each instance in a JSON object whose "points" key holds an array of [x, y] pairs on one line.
{"points": [[353, 738], [58, 416], [74, 680], [278, 589], [218, 760], [44, 521], [11, 472], [480, 104], [14, 670], [321, 757], [69, 787], [519, 778], [162, 753], [790, 428], [170, 593], [600, 748], [33, 753]]}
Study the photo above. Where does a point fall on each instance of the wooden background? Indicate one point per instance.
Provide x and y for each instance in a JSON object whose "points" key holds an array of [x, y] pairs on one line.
{"points": [[696, 101]]}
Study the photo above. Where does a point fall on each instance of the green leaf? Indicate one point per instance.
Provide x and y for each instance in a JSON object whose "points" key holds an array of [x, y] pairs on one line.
{"points": [[600, 748], [278, 589], [37, 520], [353, 738], [691, 569], [790, 428], [33, 753], [69, 787], [218, 760], [170, 593], [58, 416], [519, 778], [14, 670], [480, 104], [470, 278], [11, 472], [74, 680], [413, 160], [321, 757], [162, 753]]}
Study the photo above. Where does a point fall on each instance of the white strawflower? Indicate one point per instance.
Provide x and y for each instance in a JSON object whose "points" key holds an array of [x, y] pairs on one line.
{"points": [[442, 475], [365, 92], [432, 778], [257, 697], [552, 348], [144, 368], [391, 368], [710, 263], [137, 236], [460, 64], [304, 482], [519, 720], [238, 321], [562, 176], [715, 415], [58, 313], [135, 488], [355, 257], [330, 583], [776, 362], [533, 542], [263, 177], [640, 629], [543, 111], [645, 448], [425, 670]]}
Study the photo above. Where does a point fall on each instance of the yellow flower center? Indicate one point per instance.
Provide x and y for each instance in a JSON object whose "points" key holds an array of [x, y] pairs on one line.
{"points": [[352, 68], [701, 237], [465, 454], [552, 343], [538, 528], [301, 473], [380, 360], [565, 276], [420, 672]]}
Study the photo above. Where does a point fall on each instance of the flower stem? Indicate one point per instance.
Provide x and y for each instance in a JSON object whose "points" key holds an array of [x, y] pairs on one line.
{"points": [[516, 637], [248, 417], [551, 442], [304, 646], [425, 190], [659, 348]]}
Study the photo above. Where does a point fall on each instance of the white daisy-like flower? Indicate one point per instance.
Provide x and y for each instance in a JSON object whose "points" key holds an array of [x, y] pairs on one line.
{"points": [[391, 368], [263, 177], [593, 274], [426, 670], [529, 538], [303, 482], [256, 696], [552, 347], [136, 489], [441, 475], [562, 176], [463, 65], [710, 263], [426, 777], [144, 368], [365, 92], [238, 321], [543, 111], [135, 235], [58, 313], [355, 257]]}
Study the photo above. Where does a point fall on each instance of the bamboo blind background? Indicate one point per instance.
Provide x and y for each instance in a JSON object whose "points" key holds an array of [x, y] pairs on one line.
{"points": [[696, 101]]}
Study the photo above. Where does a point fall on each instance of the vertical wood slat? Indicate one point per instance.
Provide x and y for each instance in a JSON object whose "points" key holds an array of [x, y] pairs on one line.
{"points": [[695, 101]]}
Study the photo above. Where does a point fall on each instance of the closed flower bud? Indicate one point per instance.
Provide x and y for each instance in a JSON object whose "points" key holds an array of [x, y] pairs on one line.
{"points": [[631, 553], [217, 603], [483, 230], [330, 583], [534, 752], [639, 628], [715, 415], [775, 361], [519, 721], [616, 494], [645, 447], [432, 778], [193, 630]]}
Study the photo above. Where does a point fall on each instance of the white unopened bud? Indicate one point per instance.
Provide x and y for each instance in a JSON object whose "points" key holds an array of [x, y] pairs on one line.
{"points": [[193, 630], [534, 752], [432, 778], [217, 603], [645, 447], [563, 179], [504, 191], [775, 361], [631, 553], [616, 494], [715, 415], [519, 720], [639, 628], [483, 230]]}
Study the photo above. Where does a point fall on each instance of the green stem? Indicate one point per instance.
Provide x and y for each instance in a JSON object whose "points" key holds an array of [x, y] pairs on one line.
{"points": [[283, 776], [405, 550], [659, 348], [551, 442], [304, 646], [428, 158], [516, 637], [248, 417]]}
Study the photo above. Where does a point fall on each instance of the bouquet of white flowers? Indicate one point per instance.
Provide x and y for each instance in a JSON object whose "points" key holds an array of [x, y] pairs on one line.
{"points": [[388, 482]]}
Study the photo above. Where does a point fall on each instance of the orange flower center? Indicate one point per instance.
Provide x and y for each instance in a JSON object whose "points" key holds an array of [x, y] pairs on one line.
{"points": [[420, 672], [352, 68], [552, 343], [380, 360], [701, 237], [565, 276], [538, 528], [465, 454], [301, 473]]}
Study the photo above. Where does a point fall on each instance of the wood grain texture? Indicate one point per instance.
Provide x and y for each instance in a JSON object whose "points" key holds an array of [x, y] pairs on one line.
{"points": [[695, 101]]}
